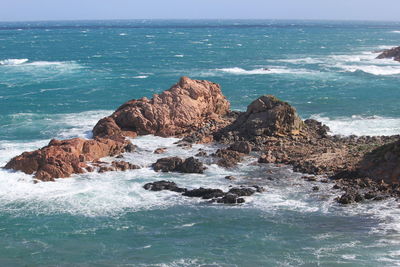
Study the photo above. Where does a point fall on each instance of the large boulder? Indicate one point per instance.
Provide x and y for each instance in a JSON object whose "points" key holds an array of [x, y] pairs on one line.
{"points": [[186, 107], [61, 159], [176, 164], [266, 116], [390, 53]]}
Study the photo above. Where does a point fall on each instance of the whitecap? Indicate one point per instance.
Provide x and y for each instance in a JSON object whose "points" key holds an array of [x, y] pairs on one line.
{"points": [[262, 71], [395, 31], [123, 34], [372, 69], [178, 55], [361, 125], [141, 77], [13, 61]]}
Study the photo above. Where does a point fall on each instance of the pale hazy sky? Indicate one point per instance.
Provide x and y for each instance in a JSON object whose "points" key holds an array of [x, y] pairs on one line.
{"points": [[25, 10]]}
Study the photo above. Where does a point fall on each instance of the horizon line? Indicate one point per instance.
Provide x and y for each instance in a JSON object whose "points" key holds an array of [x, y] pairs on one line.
{"points": [[200, 19]]}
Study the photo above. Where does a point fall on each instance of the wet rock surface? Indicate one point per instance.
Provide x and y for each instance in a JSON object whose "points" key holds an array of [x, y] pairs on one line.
{"points": [[61, 159], [233, 196], [390, 53], [227, 158], [176, 164], [197, 111]]}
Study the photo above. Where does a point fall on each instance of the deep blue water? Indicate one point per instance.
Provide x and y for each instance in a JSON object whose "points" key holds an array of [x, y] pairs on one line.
{"points": [[58, 78]]}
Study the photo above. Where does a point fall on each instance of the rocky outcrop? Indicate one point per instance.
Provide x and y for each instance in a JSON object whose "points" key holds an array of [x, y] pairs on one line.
{"points": [[61, 159], [227, 158], [233, 196], [185, 108], [383, 163], [176, 164], [266, 116], [391, 53]]}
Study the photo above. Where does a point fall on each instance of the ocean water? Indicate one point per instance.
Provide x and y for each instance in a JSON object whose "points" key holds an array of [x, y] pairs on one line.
{"points": [[58, 78]]}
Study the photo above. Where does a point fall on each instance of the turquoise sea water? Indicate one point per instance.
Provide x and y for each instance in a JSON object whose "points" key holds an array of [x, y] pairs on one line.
{"points": [[58, 78]]}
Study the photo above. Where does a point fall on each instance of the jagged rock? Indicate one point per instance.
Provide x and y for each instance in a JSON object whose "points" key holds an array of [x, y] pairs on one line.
{"points": [[183, 109], [61, 159], [230, 177], [124, 166], [246, 191], [230, 199], [241, 147], [382, 163], [163, 185], [228, 158], [204, 193], [176, 164], [266, 116], [390, 53], [267, 158], [191, 165], [169, 164]]}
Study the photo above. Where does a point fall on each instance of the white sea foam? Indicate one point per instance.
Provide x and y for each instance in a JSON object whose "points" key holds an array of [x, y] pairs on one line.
{"points": [[178, 55], [26, 65], [372, 69], [13, 61], [123, 34], [95, 194], [306, 60], [395, 31], [141, 77], [262, 71], [361, 125]]}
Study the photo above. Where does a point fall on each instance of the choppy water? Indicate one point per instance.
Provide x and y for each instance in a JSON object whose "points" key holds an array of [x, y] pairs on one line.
{"points": [[57, 79]]}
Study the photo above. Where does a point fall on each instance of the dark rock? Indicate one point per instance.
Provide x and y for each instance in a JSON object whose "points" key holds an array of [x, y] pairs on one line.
{"points": [[163, 185], [191, 165], [228, 158], [130, 147], [241, 147], [267, 158], [242, 191], [167, 164], [346, 199], [230, 177], [230, 199], [390, 53], [123, 165], [315, 188], [160, 150], [205, 193]]}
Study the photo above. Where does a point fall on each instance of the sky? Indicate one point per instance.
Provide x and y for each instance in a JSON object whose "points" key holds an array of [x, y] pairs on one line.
{"points": [[32, 10]]}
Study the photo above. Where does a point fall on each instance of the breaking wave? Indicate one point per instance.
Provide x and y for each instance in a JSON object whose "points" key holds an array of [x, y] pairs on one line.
{"points": [[361, 125]]}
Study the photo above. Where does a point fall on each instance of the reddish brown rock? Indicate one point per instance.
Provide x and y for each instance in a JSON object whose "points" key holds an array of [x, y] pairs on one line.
{"points": [[61, 159], [188, 106]]}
